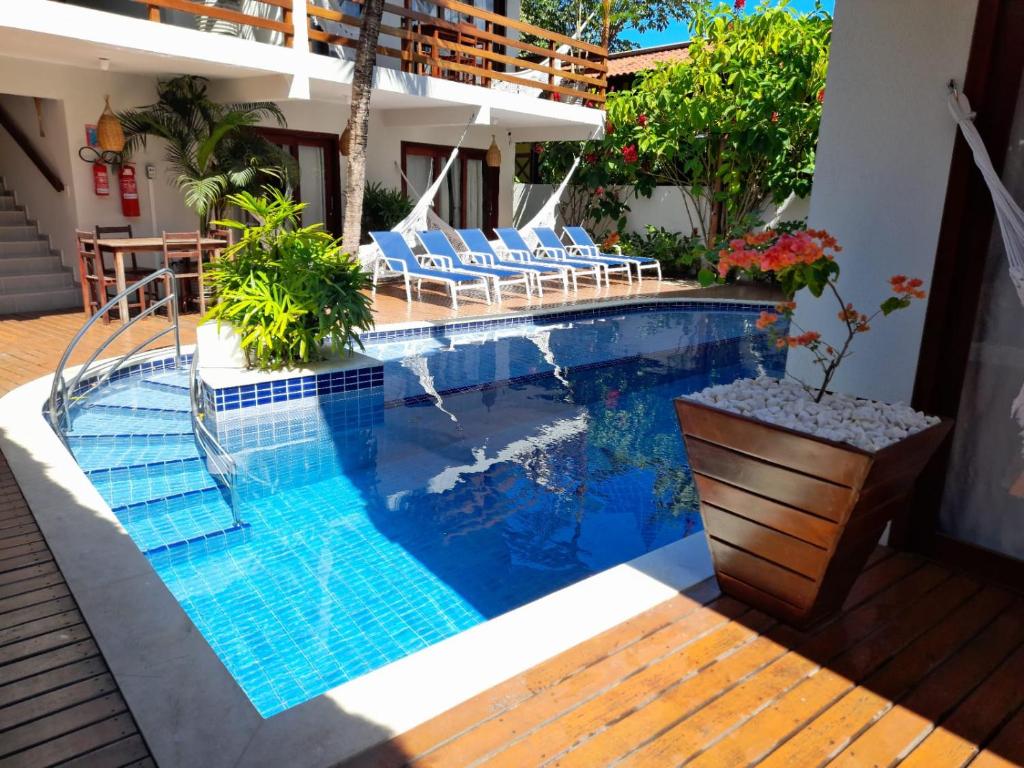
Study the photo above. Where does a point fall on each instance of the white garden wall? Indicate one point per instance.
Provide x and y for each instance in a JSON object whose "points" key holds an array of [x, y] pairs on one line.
{"points": [[883, 160], [665, 208]]}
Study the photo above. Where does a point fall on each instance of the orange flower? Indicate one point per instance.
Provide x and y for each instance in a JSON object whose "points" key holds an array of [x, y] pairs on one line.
{"points": [[785, 306], [765, 320]]}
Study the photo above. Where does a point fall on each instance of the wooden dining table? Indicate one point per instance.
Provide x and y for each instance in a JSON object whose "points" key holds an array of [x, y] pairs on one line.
{"points": [[119, 246]]}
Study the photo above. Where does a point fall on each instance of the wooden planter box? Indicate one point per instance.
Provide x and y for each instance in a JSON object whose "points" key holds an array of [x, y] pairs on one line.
{"points": [[791, 518]]}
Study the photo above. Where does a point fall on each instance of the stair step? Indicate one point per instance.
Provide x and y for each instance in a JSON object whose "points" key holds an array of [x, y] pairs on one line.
{"points": [[107, 452], [175, 380], [16, 233], [21, 248], [38, 282], [143, 398], [46, 301], [31, 264], [10, 217], [186, 517], [7, 201], [125, 487], [128, 421], [210, 543]]}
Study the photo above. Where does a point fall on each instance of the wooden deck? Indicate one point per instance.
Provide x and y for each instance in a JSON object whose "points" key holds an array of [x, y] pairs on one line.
{"points": [[923, 668], [59, 704]]}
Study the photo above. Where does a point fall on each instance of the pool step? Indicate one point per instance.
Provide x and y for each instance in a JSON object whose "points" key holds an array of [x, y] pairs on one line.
{"points": [[127, 421], [122, 486], [175, 379], [156, 398], [159, 523], [111, 451]]}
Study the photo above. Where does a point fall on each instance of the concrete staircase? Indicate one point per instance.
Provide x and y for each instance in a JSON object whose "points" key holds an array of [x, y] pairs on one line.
{"points": [[32, 278]]}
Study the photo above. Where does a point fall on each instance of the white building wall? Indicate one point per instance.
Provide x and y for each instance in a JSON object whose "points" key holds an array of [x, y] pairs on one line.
{"points": [[883, 160]]}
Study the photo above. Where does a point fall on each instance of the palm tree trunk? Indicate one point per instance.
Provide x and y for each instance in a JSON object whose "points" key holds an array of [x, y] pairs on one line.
{"points": [[362, 86]]}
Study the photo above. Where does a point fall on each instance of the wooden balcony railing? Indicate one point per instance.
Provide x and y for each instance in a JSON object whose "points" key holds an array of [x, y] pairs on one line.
{"points": [[475, 49], [447, 39], [278, 16]]}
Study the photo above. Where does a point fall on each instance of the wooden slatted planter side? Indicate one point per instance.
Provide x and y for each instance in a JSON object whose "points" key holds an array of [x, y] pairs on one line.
{"points": [[791, 518]]}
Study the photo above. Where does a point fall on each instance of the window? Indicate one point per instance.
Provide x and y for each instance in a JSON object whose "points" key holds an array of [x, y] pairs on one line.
{"points": [[468, 197]]}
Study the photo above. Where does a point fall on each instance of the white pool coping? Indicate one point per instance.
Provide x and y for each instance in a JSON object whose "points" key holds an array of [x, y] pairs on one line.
{"points": [[187, 705]]}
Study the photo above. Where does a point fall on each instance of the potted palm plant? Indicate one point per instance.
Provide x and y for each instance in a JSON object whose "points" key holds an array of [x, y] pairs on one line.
{"points": [[213, 150], [796, 483]]}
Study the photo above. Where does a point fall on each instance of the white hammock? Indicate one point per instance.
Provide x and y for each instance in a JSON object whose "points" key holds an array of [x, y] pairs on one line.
{"points": [[422, 215], [1008, 213], [547, 216]]}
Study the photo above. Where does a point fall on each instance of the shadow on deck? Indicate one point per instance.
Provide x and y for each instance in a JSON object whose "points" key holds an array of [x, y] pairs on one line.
{"points": [[923, 668]]}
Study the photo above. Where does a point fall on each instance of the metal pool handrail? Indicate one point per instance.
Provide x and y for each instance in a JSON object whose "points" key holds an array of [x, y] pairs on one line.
{"points": [[224, 464], [61, 393]]}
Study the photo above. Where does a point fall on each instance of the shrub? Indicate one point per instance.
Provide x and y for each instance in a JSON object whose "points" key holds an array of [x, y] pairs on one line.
{"points": [[383, 208], [287, 289], [679, 255]]}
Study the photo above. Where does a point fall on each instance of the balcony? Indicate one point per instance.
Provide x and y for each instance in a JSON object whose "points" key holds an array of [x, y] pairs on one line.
{"points": [[445, 39]]}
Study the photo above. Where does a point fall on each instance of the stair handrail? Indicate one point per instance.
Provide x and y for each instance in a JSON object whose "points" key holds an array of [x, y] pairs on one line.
{"points": [[61, 393], [207, 442], [30, 151]]}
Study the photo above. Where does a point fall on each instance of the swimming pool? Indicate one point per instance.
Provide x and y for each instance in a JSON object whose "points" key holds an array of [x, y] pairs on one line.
{"points": [[493, 466]]}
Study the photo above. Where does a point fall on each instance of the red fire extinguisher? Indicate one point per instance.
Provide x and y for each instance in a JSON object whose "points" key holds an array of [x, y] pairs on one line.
{"points": [[129, 191], [100, 180]]}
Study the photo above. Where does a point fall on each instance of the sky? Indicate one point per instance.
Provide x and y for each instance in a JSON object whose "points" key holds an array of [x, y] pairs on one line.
{"points": [[679, 32]]}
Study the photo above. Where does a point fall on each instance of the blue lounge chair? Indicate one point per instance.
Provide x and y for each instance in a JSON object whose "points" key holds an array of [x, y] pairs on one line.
{"points": [[480, 247], [517, 248], [435, 243], [553, 243], [397, 257], [582, 240]]}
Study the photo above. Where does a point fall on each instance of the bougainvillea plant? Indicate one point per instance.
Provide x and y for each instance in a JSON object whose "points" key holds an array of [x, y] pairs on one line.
{"points": [[806, 259]]}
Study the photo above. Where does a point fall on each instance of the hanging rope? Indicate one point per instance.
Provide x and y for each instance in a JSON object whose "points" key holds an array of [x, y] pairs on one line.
{"points": [[1008, 213]]}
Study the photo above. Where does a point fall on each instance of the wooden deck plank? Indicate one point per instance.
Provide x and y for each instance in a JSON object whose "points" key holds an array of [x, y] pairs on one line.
{"points": [[34, 597], [61, 722], [38, 611], [1006, 750], [67, 746], [40, 569], [758, 736], [50, 680], [130, 751], [49, 641], [905, 725], [49, 578], [693, 663], [956, 741], [835, 728], [492, 733], [56, 700]]}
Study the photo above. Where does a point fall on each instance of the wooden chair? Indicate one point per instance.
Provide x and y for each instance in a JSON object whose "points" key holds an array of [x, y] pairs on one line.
{"points": [[183, 254], [95, 279], [214, 255], [122, 231]]}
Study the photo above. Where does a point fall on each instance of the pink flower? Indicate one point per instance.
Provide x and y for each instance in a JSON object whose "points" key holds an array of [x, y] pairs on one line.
{"points": [[642, 120], [775, 117], [538, 148], [609, 128], [739, 5], [821, 96], [599, 192], [630, 155]]}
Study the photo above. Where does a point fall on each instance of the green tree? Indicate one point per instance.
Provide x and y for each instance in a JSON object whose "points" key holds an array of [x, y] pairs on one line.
{"points": [[568, 16], [733, 126], [211, 148], [736, 124]]}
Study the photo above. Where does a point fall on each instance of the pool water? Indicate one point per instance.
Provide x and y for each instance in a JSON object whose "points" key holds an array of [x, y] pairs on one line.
{"points": [[492, 468]]}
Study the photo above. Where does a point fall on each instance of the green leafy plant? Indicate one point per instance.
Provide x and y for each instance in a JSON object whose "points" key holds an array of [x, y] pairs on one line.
{"points": [[733, 126], [639, 16], [680, 255], [383, 208], [288, 289], [211, 148]]}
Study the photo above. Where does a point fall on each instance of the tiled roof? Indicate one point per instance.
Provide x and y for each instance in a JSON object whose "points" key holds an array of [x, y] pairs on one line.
{"points": [[630, 62]]}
